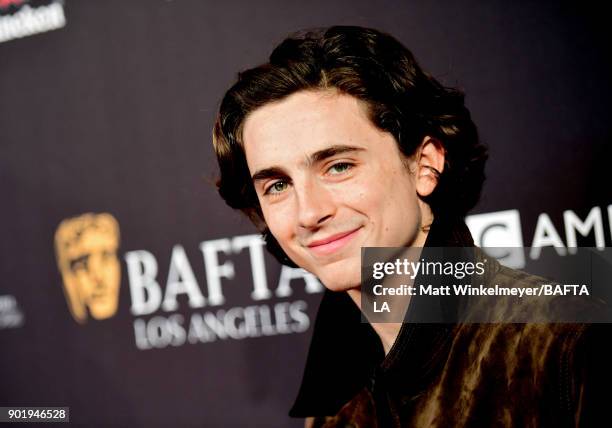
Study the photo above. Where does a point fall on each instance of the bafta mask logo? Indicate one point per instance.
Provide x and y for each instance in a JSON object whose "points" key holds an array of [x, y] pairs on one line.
{"points": [[86, 252]]}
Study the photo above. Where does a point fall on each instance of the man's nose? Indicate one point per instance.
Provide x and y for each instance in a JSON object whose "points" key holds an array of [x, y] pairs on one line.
{"points": [[96, 270], [315, 205]]}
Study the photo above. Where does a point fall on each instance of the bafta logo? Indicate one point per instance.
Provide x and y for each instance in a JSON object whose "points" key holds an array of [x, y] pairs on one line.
{"points": [[86, 252]]}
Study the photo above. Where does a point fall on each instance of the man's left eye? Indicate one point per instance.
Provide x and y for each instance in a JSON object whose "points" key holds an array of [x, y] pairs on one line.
{"points": [[339, 168]]}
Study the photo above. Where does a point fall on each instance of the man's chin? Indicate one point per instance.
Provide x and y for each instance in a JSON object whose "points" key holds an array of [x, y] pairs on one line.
{"points": [[335, 285], [101, 310], [341, 274]]}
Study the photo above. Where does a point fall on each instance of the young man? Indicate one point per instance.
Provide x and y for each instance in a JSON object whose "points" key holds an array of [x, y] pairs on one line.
{"points": [[341, 142]]}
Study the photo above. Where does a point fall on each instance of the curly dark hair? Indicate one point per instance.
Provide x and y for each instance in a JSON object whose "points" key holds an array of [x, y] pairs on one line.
{"points": [[400, 97]]}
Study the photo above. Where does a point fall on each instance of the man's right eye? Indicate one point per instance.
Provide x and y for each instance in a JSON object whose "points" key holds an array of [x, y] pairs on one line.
{"points": [[276, 188], [79, 263]]}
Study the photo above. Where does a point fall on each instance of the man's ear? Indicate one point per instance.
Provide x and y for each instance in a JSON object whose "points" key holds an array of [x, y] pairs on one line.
{"points": [[430, 158]]}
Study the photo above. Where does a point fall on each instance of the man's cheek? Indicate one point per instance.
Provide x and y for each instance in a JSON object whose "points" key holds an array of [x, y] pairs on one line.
{"points": [[357, 193]]}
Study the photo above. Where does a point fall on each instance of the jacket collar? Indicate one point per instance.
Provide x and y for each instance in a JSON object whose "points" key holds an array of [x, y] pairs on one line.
{"points": [[420, 348], [346, 354]]}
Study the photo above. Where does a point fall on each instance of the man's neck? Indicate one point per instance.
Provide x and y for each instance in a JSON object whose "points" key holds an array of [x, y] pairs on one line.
{"points": [[387, 332]]}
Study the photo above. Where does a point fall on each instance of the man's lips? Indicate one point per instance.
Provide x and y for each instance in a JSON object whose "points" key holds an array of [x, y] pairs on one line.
{"points": [[332, 243]]}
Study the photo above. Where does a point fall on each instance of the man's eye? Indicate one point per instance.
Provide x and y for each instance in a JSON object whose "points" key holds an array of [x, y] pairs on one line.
{"points": [[339, 168], [80, 263], [276, 188]]}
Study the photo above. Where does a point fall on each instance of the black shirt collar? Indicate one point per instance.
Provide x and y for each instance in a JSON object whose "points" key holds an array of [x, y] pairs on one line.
{"points": [[345, 353]]}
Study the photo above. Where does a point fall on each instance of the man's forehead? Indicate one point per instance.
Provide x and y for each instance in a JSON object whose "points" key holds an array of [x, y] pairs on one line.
{"points": [[91, 242], [292, 131], [303, 108]]}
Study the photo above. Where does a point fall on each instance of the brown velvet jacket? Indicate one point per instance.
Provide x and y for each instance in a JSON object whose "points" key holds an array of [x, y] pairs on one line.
{"points": [[455, 375]]}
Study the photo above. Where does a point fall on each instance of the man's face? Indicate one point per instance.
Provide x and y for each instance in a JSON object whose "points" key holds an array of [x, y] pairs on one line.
{"points": [[87, 257], [96, 272], [329, 182]]}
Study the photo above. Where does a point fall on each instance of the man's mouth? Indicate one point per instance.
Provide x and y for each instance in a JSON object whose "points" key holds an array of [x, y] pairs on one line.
{"points": [[332, 243]]}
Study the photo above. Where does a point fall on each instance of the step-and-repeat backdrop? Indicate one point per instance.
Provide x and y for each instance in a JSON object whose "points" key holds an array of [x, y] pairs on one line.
{"points": [[128, 290]]}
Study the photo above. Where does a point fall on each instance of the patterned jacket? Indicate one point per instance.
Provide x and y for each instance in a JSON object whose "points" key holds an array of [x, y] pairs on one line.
{"points": [[455, 374]]}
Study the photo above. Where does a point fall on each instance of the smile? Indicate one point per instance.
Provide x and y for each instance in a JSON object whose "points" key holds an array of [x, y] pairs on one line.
{"points": [[332, 243]]}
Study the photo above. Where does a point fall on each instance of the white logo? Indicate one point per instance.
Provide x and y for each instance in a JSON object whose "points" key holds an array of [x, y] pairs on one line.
{"points": [[499, 229], [27, 21], [10, 314]]}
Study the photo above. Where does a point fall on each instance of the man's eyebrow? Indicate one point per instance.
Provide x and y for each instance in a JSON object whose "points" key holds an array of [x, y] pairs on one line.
{"points": [[317, 156], [337, 149], [266, 173]]}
